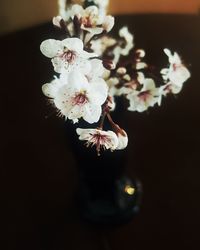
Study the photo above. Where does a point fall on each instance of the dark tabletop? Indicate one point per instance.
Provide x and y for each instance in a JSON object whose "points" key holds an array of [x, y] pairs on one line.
{"points": [[38, 175]]}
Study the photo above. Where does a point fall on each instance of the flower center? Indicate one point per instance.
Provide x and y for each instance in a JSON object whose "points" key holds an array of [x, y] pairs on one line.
{"points": [[80, 99], [100, 141], [68, 56], [176, 66], [144, 95], [86, 21]]}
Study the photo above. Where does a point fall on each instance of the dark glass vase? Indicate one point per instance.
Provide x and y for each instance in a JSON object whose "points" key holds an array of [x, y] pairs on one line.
{"points": [[106, 194]]}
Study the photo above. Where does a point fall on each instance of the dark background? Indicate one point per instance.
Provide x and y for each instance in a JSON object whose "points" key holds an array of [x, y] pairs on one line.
{"points": [[38, 175]]}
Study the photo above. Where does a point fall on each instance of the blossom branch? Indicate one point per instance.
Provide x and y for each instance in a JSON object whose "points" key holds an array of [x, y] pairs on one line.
{"points": [[93, 68]]}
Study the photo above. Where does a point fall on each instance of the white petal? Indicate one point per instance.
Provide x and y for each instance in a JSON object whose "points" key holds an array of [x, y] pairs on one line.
{"points": [[179, 76], [114, 140], [59, 65], [168, 52], [97, 69], [86, 55], [74, 44], [176, 59], [50, 89], [78, 81], [93, 31], [91, 11], [63, 98], [76, 112], [56, 21], [93, 113], [51, 47], [98, 92], [108, 23], [164, 71], [148, 84], [122, 141], [141, 78], [76, 10], [84, 134]]}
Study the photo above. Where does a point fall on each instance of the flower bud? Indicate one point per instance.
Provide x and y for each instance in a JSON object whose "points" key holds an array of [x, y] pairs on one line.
{"points": [[56, 21], [122, 140], [121, 71], [108, 64], [140, 53]]}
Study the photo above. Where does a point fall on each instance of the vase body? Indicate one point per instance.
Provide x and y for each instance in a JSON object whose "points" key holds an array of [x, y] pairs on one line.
{"points": [[106, 194]]}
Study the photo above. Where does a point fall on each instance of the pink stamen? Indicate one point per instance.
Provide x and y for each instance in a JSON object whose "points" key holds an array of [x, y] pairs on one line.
{"points": [[68, 56], [86, 22], [99, 140], [80, 99]]}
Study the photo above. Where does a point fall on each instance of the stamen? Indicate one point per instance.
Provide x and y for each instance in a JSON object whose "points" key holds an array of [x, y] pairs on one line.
{"points": [[86, 21], [80, 99], [99, 141], [68, 56]]}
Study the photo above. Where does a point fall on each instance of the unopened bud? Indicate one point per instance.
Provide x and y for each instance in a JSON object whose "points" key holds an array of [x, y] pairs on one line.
{"points": [[108, 64], [56, 21], [140, 53], [121, 71], [122, 139], [127, 78], [111, 103]]}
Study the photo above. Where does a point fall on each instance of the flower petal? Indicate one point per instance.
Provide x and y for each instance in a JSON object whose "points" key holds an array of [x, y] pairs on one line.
{"points": [[51, 47], [98, 91], [93, 113], [73, 44]]}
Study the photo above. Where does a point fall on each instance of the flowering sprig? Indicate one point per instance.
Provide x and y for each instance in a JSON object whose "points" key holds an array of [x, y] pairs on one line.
{"points": [[92, 68]]}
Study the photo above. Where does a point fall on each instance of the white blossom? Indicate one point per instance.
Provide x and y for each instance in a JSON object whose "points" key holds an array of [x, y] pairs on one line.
{"points": [[66, 54], [147, 97], [100, 45], [177, 73], [98, 138], [75, 97], [128, 37], [86, 87], [91, 19]]}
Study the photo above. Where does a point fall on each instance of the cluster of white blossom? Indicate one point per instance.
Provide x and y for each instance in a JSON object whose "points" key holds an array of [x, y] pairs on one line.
{"points": [[91, 68]]}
